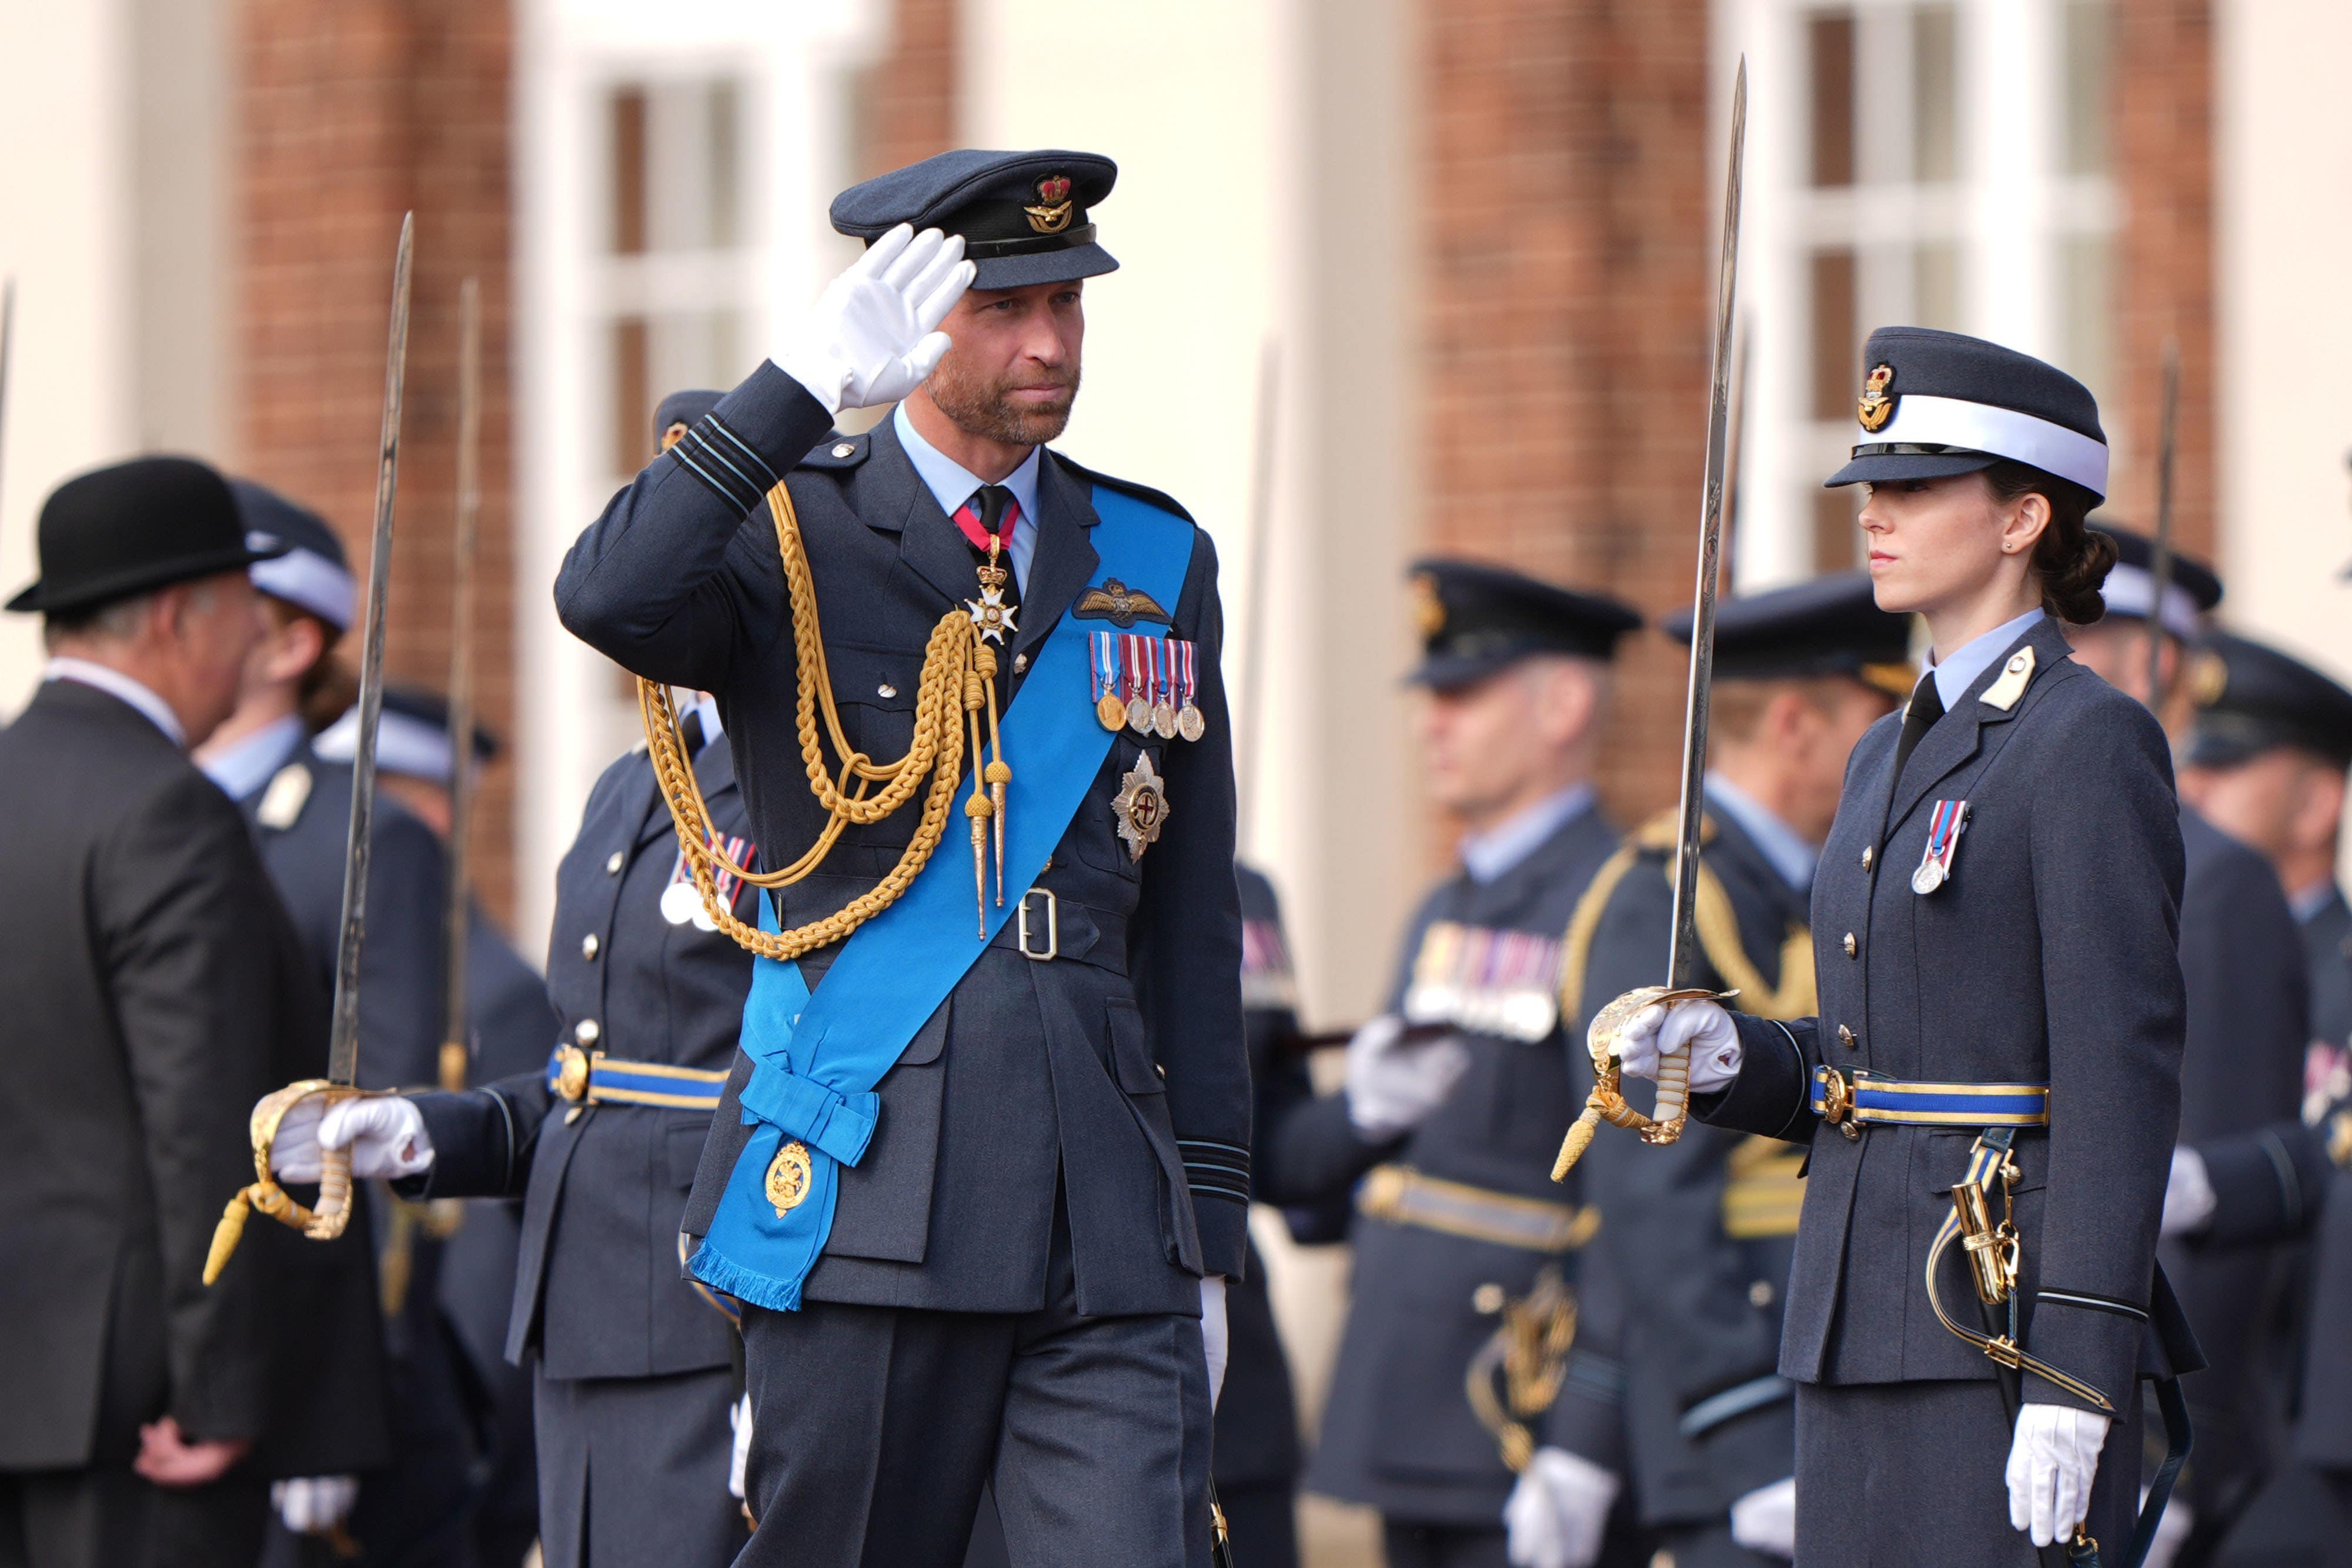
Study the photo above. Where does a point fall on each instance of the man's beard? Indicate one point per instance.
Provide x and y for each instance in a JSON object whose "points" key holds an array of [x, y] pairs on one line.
{"points": [[984, 409]]}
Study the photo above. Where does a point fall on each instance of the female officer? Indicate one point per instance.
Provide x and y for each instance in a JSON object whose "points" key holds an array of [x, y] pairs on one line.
{"points": [[1996, 919]]}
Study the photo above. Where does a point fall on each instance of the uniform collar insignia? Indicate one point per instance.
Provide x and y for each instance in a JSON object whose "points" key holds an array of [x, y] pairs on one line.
{"points": [[2015, 676], [282, 802]]}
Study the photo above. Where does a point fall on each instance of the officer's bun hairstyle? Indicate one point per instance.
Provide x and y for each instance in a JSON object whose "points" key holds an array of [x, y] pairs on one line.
{"points": [[2070, 558]]}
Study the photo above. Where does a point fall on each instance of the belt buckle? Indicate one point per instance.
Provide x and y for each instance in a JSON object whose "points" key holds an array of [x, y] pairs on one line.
{"points": [[572, 1073], [1837, 1101], [1053, 948]]}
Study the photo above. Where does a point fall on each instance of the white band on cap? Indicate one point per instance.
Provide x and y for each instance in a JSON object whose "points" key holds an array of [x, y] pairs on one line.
{"points": [[405, 746], [2004, 432], [2130, 590], [308, 580]]}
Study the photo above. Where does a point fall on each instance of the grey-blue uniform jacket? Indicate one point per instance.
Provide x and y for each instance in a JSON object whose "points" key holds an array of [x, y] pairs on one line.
{"points": [[2049, 956], [597, 1289], [1700, 1233], [2327, 956], [1400, 1432], [1113, 1080]]}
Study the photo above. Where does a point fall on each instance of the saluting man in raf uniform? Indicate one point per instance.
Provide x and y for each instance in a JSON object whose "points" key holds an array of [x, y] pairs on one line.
{"points": [[1995, 932], [982, 1164], [634, 1371], [2242, 958], [1451, 1095], [1700, 1233]]}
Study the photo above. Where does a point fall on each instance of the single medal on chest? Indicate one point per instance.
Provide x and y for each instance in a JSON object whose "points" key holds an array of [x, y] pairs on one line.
{"points": [[1139, 687], [1110, 701], [1189, 722], [1163, 709], [1945, 824]]}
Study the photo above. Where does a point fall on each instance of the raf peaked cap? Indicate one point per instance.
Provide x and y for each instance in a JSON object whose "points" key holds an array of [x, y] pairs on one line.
{"points": [[1937, 403], [314, 574], [412, 738], [1830, 626], [2130, 587], [681, 411], [2252, 698], [133, 527], [1475, 618], [1025, 217]]}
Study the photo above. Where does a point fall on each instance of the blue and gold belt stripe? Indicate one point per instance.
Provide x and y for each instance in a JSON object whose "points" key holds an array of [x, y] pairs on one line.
{"points": [[582, 1078], [1866, 1097]]}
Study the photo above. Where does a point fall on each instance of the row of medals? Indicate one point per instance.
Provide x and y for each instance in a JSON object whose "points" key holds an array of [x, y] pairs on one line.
{"points": [[1141, 715]]}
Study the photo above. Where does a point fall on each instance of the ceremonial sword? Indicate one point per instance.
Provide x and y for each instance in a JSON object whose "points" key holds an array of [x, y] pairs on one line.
{"points": [[1665, 1124], [2159, 569]]}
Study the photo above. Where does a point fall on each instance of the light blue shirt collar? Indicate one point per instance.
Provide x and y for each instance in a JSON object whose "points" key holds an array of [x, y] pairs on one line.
{"points": [[1490, 854], [951, 484], [2307, 904], [243, 768], [1955, 675], [1789, 854], [115, 683]]}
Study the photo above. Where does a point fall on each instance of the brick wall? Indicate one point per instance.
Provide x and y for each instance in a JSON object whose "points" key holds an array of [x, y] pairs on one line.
{"points": [[1569, 222], [2164, 270], [906, 107], [351, 114]]}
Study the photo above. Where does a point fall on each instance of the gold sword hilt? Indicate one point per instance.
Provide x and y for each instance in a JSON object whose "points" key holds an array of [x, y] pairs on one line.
{"points": [[324, 1223]]}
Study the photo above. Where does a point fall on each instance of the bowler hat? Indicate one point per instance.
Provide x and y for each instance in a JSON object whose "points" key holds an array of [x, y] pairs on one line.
{"points": [[135, 527]]}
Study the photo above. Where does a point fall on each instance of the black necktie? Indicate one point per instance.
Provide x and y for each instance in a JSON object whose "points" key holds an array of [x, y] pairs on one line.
{"points": [[1926, 707]]}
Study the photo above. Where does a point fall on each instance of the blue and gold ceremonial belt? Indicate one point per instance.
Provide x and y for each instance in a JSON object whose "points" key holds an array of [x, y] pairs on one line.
{"points": [[1402, 1195], [582, 1078], [1866, 1097]]}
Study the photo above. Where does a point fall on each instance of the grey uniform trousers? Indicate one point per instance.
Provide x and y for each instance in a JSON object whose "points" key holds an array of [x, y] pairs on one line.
{"points": [[634, 1470], [874, 1429]]}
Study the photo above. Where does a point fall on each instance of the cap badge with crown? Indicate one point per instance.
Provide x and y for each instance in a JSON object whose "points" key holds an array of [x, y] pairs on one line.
{"points": [[1874, 407]]}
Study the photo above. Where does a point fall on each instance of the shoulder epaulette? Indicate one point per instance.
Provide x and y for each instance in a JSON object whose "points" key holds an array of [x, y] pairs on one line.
{"points": [[1127, 488], [837, 451]]}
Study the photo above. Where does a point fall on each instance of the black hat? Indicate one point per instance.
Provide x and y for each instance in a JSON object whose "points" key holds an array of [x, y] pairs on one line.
{"points": [[2252, 698], [682, 410], [135, 527], [1022, 215], [1475, 618], [1937, 403], [412, 738], [314, 574], [1830, 626], [2130, 587]]}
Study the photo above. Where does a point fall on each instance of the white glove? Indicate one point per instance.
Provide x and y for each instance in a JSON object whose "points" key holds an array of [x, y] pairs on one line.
{"points": [[313, 1505], [2051, 1465], [1657, 1030], [1766, 1519], [871, 336], [385, 1133], [2189, 1200], [1394, 1082], [1556, 1514], [1213, 1338], [739, 1417]]}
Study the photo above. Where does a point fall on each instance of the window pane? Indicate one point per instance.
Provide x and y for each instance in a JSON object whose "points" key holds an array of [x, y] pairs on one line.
{"points": [[1832, 49], [1837, 542], [2089, 46], [726, 166], [628, 172], [1936, 285], [632, 396], [1836, 350], [1935, 95], [2086, 296]]}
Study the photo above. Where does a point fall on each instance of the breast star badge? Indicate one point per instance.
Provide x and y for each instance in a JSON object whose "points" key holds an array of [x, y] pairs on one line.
{"points": [[1141, 806]]}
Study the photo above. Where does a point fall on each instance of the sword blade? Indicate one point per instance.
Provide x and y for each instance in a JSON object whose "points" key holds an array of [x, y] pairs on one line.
{"points": [[1683, 952], [2160, 566], [455, 922], [344, 1041]]}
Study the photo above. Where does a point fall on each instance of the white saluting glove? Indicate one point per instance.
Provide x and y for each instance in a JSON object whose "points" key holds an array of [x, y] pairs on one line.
{"points": [[385, 1133], [2051, 1464], [1556, 1514], [1392, 1082], [1704, 1027], [1766, 1519], [739, 1417], [872, 337], [2189, 1200], [313, 1505], [1214, 1340]]}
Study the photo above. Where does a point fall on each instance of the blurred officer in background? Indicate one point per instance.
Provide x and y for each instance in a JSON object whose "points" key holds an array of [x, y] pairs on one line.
{"points": [[1456, 1096], [1700, 1233]]}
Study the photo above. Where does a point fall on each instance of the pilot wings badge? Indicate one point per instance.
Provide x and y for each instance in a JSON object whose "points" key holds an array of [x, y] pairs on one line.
{"points": [[1120, 605]]}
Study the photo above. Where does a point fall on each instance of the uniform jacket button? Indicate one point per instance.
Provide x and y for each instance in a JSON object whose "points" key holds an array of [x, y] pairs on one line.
{"points": [[1019, 662], [589, 945], [612, 863], [1845, 1037], [843, 449], [1487, 1299], [588, 1033], [1868, 854], [1760, 1294], [1851, 946], [885, 690]]}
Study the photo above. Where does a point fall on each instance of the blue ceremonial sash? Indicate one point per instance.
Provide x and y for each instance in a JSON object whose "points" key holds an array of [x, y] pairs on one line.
{"points": [[816, 1057]]}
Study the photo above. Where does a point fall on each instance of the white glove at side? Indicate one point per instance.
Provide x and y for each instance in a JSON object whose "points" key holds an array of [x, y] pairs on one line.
{"points": [[739, 1417], [872, 337], [2189, 1200], [385, 1133], [1766, 1519], [2051, 1464], [1394, 1082], [1214, 1339], [1556, 1512], [1704, 1027], [313, 1505]]}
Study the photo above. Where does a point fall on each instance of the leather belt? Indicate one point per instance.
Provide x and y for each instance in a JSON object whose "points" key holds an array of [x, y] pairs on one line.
{"points": [[1402, 1195], [1046, 928], [594, 1077], [1846, 1098]]}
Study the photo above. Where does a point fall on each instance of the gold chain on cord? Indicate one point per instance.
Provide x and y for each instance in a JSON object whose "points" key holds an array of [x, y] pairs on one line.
{"points": [[957, 679]]}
